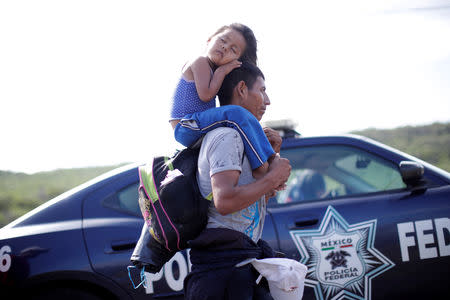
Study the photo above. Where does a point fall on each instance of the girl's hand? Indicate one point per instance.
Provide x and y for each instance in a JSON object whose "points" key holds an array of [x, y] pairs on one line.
{"points": [[227, 68]]}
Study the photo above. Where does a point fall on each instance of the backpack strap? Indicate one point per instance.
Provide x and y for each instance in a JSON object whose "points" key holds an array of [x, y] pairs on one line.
{"points": [[168, 163], [147, 182]]}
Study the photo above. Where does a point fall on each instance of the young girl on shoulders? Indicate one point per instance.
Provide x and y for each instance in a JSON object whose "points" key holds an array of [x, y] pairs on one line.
{"points": [[201, 79], [194, 97]]}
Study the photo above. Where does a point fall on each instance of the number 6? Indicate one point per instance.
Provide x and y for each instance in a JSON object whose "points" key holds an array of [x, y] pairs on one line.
{"points": [[5, 259]]}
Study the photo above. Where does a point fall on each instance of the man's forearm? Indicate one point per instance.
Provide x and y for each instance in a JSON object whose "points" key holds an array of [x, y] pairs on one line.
{"points": [[230, 197]]}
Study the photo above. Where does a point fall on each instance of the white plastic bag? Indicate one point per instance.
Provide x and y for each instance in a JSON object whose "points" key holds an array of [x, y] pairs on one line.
{"points": [[286, 277]]}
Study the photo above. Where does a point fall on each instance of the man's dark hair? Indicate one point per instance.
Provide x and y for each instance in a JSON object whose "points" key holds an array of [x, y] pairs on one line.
{"points": [[249, 53], [247, 72]]}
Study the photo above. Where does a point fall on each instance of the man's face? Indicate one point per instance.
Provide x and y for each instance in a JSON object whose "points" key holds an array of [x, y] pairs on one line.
{"points": [[257, 99]]}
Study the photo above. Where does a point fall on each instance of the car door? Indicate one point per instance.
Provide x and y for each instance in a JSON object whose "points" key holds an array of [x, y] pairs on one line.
{"points": [[347, 215], [111, 227]]}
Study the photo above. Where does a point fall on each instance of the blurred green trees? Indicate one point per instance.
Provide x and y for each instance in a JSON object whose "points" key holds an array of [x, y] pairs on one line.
{"points": [[430, 143], [20, 193]]}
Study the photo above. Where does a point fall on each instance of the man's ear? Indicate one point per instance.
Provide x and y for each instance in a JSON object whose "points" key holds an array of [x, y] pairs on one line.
{"points": [[242, 89]]}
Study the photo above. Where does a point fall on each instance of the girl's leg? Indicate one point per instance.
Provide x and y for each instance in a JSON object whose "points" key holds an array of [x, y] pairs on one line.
{"points": [[256, 145]]}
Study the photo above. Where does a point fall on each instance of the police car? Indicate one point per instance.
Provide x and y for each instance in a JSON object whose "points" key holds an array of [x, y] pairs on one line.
{"points": [[368, 221]]}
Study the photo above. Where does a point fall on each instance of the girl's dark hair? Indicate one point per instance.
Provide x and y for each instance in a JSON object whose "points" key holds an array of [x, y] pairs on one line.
{"points": [[249, 54]]}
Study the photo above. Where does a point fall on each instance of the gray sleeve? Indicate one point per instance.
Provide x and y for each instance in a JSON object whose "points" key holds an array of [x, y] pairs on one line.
{"points": [[225, 151]]}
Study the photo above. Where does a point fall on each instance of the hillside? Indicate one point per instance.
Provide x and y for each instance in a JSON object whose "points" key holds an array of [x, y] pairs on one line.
{"points": [[430, 143], [21, 192]]}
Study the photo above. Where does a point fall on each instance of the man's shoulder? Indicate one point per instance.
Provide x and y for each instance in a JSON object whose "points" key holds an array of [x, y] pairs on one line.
{"points": [[221, 131], [222, 138]]}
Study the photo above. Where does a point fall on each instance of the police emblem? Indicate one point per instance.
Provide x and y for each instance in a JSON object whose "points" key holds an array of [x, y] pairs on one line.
{"points": [[341, 258]]}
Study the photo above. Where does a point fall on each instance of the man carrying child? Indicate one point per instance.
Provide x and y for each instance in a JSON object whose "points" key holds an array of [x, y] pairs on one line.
{"points": [[236, 216]]}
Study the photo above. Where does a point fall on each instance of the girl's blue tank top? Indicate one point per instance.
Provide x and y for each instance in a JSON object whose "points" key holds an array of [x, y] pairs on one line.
{"points": [[186, 100]]}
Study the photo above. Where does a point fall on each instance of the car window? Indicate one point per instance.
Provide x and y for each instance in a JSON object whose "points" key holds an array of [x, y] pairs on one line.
{"points": [[332, 171], [126, 200]]}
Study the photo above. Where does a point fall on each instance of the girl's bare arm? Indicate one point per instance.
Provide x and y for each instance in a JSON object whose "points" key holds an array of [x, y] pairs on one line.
{"points": [[207, 86]]}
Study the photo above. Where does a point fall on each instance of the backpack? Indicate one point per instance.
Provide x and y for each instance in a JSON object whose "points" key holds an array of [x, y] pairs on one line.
{"points": [[172, 206]]}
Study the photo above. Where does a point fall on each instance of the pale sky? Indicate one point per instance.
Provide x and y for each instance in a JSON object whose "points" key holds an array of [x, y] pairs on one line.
{"points": [[88, 83]]}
